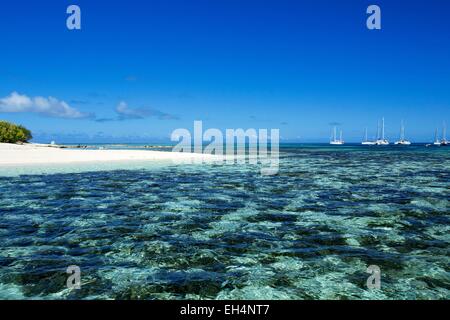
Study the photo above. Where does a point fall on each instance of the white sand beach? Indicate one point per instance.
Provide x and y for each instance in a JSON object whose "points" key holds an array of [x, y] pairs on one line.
{"points": [[29, 154]]}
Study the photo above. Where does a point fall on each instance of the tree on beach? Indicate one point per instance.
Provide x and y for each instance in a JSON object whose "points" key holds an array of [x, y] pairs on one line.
{"points": [[11, 133]]}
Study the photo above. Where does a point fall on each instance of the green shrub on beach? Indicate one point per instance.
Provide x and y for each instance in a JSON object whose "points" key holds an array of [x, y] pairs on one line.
{"points": [[11, 133]]}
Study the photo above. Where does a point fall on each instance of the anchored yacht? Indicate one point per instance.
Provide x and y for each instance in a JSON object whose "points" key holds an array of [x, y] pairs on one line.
{"points": [[436, 139], [402, 140], [381, 141], [366, 141], [444, 141], [334, 140]]}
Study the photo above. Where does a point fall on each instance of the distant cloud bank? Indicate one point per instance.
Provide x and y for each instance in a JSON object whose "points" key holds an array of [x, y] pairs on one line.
{"points": [[50, 106], [124, 112]]}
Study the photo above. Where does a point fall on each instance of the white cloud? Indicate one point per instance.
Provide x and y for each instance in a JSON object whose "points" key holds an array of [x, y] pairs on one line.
{"points": [[126, 112], [15, 103]]}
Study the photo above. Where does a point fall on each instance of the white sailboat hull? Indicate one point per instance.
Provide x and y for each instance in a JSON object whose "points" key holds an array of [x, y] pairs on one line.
{"points": [[335, 141], [403, 142], [381, 142]]}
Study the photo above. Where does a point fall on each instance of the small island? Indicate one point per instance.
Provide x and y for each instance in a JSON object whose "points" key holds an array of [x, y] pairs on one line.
{"points": [[16, 149]]}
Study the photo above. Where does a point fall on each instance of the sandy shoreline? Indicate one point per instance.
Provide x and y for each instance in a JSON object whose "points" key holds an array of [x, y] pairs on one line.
{"points": [[29, 154]]}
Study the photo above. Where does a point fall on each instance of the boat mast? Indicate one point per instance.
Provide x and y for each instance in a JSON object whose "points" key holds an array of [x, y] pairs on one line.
{"points": [[402, 131], [334, 134], [382, 130], [444, 132], [378, 130], [365, 136], [340, 137]]}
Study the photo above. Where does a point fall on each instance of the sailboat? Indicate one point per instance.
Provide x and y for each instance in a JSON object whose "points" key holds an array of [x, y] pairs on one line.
{"points": [[444, 142], [381, 141], [402, 140], [366, 140], [436, 139], [335, 141]]}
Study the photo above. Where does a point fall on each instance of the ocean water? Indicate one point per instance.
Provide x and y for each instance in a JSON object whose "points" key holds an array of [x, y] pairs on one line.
{"points": [[161, 231]]}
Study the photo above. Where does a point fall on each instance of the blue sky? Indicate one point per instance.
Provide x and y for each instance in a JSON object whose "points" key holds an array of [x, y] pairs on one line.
{"points": [[139, 69]]}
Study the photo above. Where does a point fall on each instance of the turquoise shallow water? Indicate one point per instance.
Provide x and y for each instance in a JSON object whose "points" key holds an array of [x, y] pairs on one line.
{"points": [[226, 232]]}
